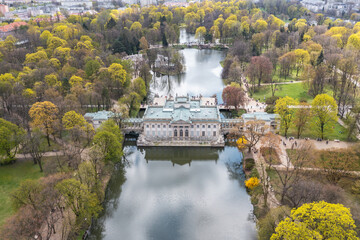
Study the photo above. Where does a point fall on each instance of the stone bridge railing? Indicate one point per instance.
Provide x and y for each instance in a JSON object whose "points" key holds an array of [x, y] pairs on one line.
{"points": [[227, 124], [132, 125]]}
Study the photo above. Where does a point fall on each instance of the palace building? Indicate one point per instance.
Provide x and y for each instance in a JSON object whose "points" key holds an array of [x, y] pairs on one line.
{"points": [[184, 121], [176, 120]]}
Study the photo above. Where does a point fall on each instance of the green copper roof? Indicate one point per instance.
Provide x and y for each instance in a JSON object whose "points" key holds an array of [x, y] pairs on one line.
{"points": [[100, 115], [182, 110], [263, 116]]}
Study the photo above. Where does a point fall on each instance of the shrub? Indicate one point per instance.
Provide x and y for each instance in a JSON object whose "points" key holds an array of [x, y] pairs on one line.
{"points": [[271, 100], [252, 182], [249, 164], [254, 173], [270, 108]]}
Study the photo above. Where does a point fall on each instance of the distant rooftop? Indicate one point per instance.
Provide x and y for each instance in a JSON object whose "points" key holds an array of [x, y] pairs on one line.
{"points": [[12, 26], [183, 108], [100, 115], [263, 116]]}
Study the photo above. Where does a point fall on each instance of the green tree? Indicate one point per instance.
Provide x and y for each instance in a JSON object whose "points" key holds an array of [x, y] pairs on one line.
{"points": [[27, 193], [11, 136], [132, 102], [92, 67], [324, 110], [118, 73], [318, 220], [283, 107], [267, 224], [108, 140], [83, 203], [138, 86]]}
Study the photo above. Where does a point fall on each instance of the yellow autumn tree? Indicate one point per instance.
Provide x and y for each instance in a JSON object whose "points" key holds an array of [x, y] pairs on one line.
{"points": [[73, 119], [317, 220], [44, 116], [75, 80], [76, 123], [118, 73], [241, 143], [302, 58], [200, 33], [35, 57], [260, 25], [52, 80]]}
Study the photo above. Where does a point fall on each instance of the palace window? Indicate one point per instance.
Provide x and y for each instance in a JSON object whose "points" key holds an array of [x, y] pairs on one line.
{"points": [[209, 126], [181, 132], [214, 134], [215, 126], [203, 126], [175, 133], [186, 133], [203, 133]]}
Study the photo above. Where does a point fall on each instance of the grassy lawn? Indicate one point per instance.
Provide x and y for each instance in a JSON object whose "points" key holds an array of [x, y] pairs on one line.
{"points": [[270, 155], [290, 78], [315, 162], [294, 90], [10, 178], [336, 132]]}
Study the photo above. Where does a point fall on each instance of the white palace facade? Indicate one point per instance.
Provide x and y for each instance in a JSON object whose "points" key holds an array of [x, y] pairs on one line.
{"points": [[184, 121], [177, 121]]}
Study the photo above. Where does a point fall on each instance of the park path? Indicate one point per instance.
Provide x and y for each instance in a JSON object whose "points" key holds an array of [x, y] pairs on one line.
{"points": [[280, 83], [319, 145], [260, 164], [27, 155]]}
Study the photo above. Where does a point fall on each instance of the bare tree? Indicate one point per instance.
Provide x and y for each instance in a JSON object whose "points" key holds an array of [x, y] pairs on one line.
{"points": [[289, 174], [35, 145], [271, 142], [259, 70], [348, 69], [318, 82], [301, 118], [253, 131]]}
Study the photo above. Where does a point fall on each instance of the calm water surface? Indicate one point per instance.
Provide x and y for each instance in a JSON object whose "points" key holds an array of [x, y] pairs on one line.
{"points": [[178, 194], [202, 76], [202, 73]]}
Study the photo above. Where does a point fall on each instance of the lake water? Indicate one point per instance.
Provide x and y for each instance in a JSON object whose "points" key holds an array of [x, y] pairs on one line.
{"points": [[202, 73], [180, 193]]}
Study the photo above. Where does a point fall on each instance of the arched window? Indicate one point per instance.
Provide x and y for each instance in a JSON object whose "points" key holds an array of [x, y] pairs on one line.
{"points": [[186, 133], [181, 132], [175, 133]]}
